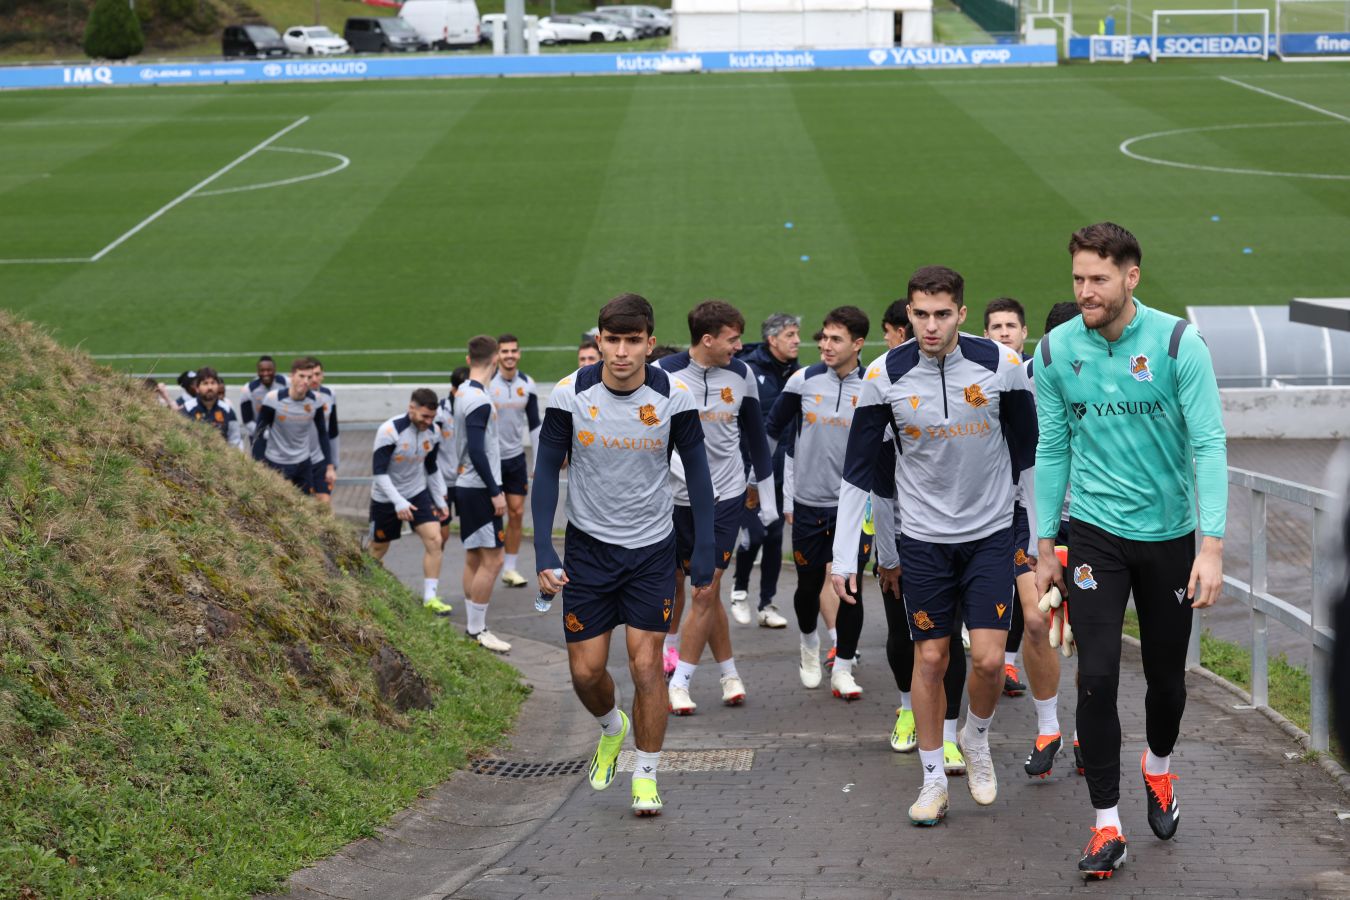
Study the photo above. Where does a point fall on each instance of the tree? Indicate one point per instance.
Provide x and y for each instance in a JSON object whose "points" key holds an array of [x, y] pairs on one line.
{"points": [[113, 31]]}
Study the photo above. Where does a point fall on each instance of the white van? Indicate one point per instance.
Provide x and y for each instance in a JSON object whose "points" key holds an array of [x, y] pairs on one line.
{"points": [[443, 23]]}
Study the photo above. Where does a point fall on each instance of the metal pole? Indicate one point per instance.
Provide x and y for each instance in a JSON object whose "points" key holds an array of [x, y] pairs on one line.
{"points": [[1321, 621], [1260, 668], [515, 26]]}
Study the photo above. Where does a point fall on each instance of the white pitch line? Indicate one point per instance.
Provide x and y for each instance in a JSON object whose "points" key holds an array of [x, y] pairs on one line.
{"points": [[1316, 109], [1127, 145], [343, 162], [194, 189], [39, 262]]}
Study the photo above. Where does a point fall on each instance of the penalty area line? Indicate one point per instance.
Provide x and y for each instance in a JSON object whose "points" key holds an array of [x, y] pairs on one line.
{"points": [[1305, 105], [195, 188]]}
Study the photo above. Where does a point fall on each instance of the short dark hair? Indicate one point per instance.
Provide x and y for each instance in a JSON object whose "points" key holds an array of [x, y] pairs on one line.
{"points": [[1061, 313], [507, 338], [425, 398], [1109, 241], [1005, 304], [852, 318], [315, 361], [818, 336], [937, 280], [188, 380], [481, 349], [589, 345], [711, 316], [661, 351], [627, 314], [897, 315], [206, 372], [266, 358], [303, 362], [459, 376]]}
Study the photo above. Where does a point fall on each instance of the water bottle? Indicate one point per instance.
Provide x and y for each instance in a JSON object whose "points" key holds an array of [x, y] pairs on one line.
{"points": [[544, 602]]}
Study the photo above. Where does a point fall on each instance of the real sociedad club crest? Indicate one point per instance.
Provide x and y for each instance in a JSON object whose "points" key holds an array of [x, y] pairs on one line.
{"points": [[1082, 576], [1139, 368]]}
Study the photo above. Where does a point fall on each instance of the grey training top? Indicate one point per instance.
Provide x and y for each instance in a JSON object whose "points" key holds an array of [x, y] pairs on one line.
{"points": [[475, 417], [446, 460], [517, 405], [405, 463], [292, 435], [821, 405]]}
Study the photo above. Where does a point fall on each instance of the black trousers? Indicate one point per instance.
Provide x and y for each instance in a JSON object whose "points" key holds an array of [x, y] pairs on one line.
{"points": [[1104, 570]]}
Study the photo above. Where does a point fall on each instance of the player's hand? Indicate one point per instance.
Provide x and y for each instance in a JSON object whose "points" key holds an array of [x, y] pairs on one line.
{"points": [[1049, 573], [752, 497], [1206, 574], [552, 580], [846, 591], [442, 514], [767, 516], [499, 505], [703, 593], [787, 517], [405, 514], [330, 476], [890, 579], [1031, 563]]}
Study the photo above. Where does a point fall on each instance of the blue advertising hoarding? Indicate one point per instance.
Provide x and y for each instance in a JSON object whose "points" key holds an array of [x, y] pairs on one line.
{"points": [[445, 66], [1211, 45]]}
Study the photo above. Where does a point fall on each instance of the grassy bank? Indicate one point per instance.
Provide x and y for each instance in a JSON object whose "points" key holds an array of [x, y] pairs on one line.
{"points": [[203, 683]]}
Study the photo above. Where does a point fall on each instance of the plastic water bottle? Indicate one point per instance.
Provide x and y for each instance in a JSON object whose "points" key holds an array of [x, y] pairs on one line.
{"points": [[544, 602]]}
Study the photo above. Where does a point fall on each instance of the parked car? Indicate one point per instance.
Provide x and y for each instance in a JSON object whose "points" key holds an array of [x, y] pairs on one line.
{"points": [[492, 21], [314, 40], [643, 17], [443, 23], [376, 34], [258, 41], [578, 30], [627, 32]]}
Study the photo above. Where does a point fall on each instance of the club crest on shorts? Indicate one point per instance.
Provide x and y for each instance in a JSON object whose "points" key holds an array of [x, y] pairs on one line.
{"points": [[975, 396], [647, 415], [1082, 576], [572, 623], [1020, 557], [585, 438], [1139, 368], [728, 396], [922, 622], [726, 555], [1001, 608]]}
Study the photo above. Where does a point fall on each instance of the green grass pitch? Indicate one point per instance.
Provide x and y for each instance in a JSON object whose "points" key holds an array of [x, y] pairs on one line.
{"points": [[489, 205]]}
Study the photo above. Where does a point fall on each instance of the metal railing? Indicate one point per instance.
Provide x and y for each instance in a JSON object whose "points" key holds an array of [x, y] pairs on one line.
{"points": [[1315, 627]]}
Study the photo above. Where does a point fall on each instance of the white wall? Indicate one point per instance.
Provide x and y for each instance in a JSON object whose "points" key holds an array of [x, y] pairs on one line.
{"points": [[797, 24]]}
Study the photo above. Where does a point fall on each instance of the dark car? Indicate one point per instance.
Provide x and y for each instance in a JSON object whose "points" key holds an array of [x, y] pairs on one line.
{"points": [[382, 35], [257, 41]]}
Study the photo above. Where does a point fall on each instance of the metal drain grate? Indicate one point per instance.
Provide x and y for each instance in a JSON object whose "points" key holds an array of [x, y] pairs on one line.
{"points": [[505, 768], [695, 760]]}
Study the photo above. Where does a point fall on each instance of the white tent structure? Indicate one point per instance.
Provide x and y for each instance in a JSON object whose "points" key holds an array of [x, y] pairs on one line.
{"points": [[800, 24]]}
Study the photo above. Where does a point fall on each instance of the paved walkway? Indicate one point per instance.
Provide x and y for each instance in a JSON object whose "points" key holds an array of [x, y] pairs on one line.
{"points": [[820, 809]]}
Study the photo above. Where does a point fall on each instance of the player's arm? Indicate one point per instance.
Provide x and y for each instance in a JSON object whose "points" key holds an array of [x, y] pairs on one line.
{"points": [[1017, 418], [756, 442], [861, 467], [883, 505], [686, 433], [435, 480], [787, 408], [385, 441], [789, 482], [475, 438], [321, 427], [233, 436], [555, 439], [1052, 469], [1198, 394], [246, 409], [266, 416]]}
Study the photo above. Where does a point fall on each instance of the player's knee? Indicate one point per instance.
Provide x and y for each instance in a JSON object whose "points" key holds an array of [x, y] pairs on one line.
{"points": [[1035, 628], [586, 676], [1098, 690], [987, 663], [930, 659]]}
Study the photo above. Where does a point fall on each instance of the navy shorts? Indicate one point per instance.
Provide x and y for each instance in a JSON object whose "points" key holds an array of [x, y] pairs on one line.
{"points": [[385, 525], [608, 585], [968, 582], [726, 525], [318, 477], [516, 476], [1021, 534], [299, 474], [813, 537], [479, 529], [448, 504]]}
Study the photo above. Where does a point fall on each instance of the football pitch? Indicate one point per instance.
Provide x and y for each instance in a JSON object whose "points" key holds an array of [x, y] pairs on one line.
{"points": [[382, 224]]}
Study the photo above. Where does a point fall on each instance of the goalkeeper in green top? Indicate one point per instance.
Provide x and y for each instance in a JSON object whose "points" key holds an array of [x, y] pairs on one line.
{"points": [[1130, 420]]}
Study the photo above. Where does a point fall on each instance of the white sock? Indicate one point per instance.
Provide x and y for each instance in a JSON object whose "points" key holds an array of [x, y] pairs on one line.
{"points": [[834, 636], [1010, 659], [811, 641], [1075, 735], [672, 640], [510, 562], [429, 587], [843, 665], [1047, 715], [729, 668], [611, 723], [949, 730], [977, 730], [1157, 765], [477, 613], [931, 762], [1108, 818], [905, 701], [645, 766], [683, 673]]}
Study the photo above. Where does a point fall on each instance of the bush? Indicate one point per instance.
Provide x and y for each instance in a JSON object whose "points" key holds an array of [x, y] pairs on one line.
{"points": [[175, 10], [113, 31]]}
